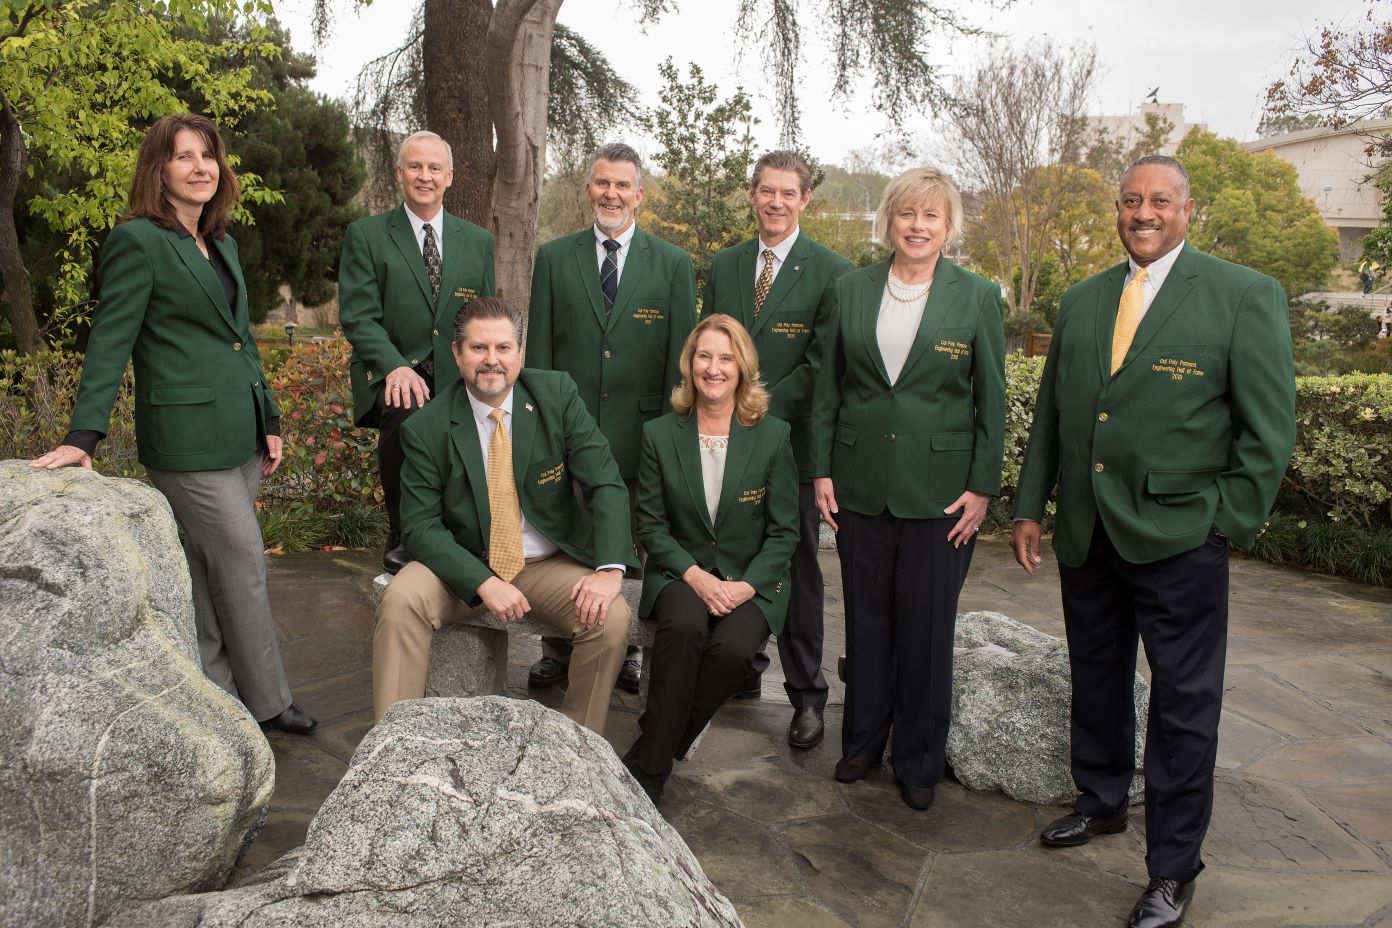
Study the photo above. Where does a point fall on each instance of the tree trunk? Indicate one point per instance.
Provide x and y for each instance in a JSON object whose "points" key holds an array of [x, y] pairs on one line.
{"points": [[519, 74], [456, 101], [18, 295]]}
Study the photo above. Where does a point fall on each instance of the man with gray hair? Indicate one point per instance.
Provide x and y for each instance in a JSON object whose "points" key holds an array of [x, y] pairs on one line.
{"points": [[612, 306], [402, 277]]}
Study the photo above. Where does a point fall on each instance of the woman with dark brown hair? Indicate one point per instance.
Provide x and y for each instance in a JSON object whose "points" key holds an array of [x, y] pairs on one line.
{"points": [[171, 298]]}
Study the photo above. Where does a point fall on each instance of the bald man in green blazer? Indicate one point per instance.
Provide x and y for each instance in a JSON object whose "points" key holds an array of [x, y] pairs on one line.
{"points": [[611, 306], [780, 286], [402, 277], [1165, 419]]}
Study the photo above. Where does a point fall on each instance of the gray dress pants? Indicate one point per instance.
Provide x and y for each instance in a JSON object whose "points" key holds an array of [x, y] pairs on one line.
{"points": [[226, 557]]}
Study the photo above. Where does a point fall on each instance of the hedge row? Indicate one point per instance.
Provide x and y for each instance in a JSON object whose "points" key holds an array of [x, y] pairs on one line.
{"points": [[1341, 471]]}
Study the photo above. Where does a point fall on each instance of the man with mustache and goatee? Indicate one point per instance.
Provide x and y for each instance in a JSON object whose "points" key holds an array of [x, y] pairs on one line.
{"points": [[1166, 419], [402, 277], [510, 503], [611, 306]]}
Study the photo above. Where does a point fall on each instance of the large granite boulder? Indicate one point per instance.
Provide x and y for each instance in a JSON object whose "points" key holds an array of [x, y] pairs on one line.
{"points": [[472, 812], [1010, 706], [126, 775]]}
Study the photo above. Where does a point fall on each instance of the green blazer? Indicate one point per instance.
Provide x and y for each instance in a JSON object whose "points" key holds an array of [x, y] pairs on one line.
{"points": [[915, 445], [625, 363], [800, 303], [201, 398], [1194, 431], [384, 299], [756, 522], [555, 445]]}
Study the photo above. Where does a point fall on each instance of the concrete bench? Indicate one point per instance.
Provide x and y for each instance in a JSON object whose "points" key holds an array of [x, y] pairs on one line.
{"points": [[470, 658]]}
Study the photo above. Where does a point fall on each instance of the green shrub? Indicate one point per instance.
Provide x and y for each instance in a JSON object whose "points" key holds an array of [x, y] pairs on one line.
{"points": [[1342, 466], [1341, 548]]}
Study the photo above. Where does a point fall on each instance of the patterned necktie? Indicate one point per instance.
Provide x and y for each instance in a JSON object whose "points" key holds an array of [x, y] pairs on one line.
{"points": [[1128, 317], [431, 253], [505, 556], [609, 273], [765, 281]]}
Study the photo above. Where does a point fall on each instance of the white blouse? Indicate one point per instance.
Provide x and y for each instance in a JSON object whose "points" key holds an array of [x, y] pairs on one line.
{"points": [[713, 448], [897, 326]]}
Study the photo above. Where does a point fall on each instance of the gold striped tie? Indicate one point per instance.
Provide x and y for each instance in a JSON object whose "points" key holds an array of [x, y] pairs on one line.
{"points": [[1128, 318], [505, 556], [764, 283]]}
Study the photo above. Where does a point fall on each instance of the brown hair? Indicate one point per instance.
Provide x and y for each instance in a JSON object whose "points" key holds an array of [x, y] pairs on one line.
{"points": [[147, 200], [751, 399], [783, 160], [486, 307]]}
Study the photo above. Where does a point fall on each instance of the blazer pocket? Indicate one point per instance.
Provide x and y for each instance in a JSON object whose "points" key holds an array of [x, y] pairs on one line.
{"points": [[1183, 500], [846, 434], [949, 463], [182, 418], [649, 404]]}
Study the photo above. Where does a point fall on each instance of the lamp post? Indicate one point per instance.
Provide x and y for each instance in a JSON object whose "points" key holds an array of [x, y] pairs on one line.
{"points": [[290, 328]]}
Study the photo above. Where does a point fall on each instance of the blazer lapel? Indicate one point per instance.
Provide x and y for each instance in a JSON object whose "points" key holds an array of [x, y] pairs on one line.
{"points": [[745, 311], [524, 422], [686, 440], [405, 239], [241, 314], [635, 265], [1108, 299], [464, 435], [202, 271], [788, 276], [453, 257], [736, 460], [941, 298], [867, 302], [588, 267], [1178, 284]]}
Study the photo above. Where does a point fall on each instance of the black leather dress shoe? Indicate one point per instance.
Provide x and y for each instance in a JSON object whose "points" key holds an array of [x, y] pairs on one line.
{"points": [[652, 783], [394, 557], [293, 720], [1162, 905], [917, 797], [546, 672], [807, 728], [1076, 829], [855, 767], [629, 675]]}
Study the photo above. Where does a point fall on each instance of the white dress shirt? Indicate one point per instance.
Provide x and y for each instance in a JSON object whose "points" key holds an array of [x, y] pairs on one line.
{"points": [[624, 239], [713, 451], [1159, 269], [780, 254], [897, 326], [437, 225], [534, 543]]}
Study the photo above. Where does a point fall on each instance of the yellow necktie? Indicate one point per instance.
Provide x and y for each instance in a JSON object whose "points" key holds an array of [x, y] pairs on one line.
{"points": [[505, 531], [1128, 318], [764, 283]]}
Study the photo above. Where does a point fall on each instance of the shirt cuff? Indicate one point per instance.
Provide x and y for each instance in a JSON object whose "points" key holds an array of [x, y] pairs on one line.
{"points": [[85, 439], [619, 567]]}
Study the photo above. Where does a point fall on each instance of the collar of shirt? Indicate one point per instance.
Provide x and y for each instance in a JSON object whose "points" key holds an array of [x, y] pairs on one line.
{"points": [[624, 239], [482, 411], [437, 224], [780, 253], [1158, 270]]}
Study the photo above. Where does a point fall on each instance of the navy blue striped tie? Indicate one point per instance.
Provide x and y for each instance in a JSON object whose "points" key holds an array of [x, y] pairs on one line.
{"points": [[609, 273]]}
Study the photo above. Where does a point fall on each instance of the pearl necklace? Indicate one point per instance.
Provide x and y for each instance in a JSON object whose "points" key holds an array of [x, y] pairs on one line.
{"points": [[907, 296]]}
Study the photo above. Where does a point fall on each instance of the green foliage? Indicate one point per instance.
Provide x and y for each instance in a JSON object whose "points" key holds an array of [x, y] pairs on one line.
{"points": [[330, 464], [1340, 548], [1342, 466], [587, 98], [1249, 209], [1110, 156], [83, 78], [36, 397], [1377, 244], [1346, 326], [1022, 376], [706, 155], [846, 234]]}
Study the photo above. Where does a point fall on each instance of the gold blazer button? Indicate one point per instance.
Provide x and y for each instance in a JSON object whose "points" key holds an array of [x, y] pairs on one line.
{"points": [[1098, 468], [236, 346]]}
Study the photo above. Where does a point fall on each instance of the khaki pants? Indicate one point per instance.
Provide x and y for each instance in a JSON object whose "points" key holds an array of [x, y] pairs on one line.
{"points": [[416, 603]]}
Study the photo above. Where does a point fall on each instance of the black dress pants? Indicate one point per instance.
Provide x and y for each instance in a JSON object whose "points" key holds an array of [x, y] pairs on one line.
{"points": [[902, 579], [699, 661], [800, 640], [390, 457], [1178, 607]]}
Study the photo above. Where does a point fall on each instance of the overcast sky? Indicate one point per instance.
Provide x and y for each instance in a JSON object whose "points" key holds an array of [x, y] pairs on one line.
{"points": [[1214, 56]]}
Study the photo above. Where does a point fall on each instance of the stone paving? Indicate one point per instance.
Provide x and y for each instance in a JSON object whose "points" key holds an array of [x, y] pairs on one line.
{"points": [[1301, 834]]}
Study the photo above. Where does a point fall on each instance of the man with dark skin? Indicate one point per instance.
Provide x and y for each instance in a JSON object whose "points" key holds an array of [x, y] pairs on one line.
{"points": [[1165, 419]]}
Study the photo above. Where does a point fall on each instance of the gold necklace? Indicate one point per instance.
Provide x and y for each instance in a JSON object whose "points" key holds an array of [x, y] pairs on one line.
{"points": [[912, 296]]}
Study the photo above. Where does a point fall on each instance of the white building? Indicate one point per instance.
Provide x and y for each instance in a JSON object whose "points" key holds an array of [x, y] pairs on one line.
{"points": [[1335, 172], [1130, 128]]}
